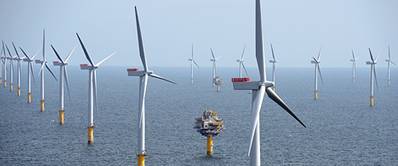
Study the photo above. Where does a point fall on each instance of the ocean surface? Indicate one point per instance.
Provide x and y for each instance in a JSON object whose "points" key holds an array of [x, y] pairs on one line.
{"points": [[342, 128]]}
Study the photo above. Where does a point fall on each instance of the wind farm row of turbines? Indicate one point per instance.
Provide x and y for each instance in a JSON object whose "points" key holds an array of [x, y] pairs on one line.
{"points": [[243, 82]]}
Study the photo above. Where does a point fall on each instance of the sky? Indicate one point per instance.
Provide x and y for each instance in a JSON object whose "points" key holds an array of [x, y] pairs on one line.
{"points": [[297, 30]]}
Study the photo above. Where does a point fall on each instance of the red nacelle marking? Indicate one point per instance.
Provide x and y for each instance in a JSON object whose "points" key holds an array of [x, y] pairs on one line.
{"points": [[243, 79], [83, 65], [132, 69]]}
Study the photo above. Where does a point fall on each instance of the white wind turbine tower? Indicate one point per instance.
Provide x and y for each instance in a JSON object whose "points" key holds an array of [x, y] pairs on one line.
{"points": [[259, 88], [241, 64], [30, 73], [217, 81], [19, 69], [354, 66], [43, 63], [373, 78], [213, 59], [4, 61], [273, 61], [92, 86], [143, 75], [193, 62], [63, 79], [389, 62], [11, 59], [317, 71]]}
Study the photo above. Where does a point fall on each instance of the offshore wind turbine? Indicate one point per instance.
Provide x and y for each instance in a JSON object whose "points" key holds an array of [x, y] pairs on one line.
{"points": [[193, 62], [213, 59], [43, 63], [216, 81], [63, 79], [259, 88], [354, 66], [11, 69], [241, 64], [92, 89], [273, 61], [4, 62], [373, 78], [19, 69], [30, 73], [143, 75], [317, 70], [389, 62]]}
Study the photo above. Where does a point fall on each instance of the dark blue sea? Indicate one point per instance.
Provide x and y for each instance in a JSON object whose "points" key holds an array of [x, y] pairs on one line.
{"points": [[342, 128]]}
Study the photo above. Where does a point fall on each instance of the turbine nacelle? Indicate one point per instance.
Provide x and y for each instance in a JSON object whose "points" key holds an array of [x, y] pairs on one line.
{"points": [[40, 61], [58, 63], [87, 67], [137, 72], [272, 61], [27, 60], [245, 84], [371, 63]]}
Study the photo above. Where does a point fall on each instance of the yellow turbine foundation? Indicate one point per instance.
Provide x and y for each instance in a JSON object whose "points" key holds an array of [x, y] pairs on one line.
{"points": [[29, 97], [90, 134], [141, 159], [18, 91], [372, 101], [11, 87], [5, 83], [61, 116], [41, 105], [209, 145], [1, 82], [316, 95]]}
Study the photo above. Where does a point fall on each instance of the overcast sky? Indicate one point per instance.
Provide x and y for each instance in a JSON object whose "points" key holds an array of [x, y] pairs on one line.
{"points": [[296, 28]]}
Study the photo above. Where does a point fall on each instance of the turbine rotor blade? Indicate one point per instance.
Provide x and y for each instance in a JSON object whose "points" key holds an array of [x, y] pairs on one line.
{"points": [[389, 55], [243, 53], [84, 50], [319, 54], [161, 78], [67, 82], [320, 73], [140, 43], [70, 54], [212, 54], [9, 53], [31, 70], [194, 62], [15, 49], [44, 44], [102, 61], [374, 72], [256, 107], [56, 53], [315, 60], [353, 56], [259, 43], [273, 55], [371, 56], [244, 68], [24, 53], [41, 69], [48, 68], [275, 97]]}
